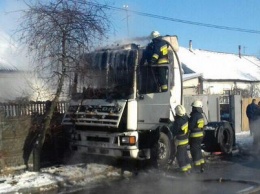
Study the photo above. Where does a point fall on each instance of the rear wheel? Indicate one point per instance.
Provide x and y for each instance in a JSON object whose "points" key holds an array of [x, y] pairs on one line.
{"points": [[225, 139]]}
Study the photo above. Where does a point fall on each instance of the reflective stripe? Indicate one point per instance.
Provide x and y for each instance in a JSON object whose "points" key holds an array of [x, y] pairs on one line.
{"points": [[164, 50], [163, 61], [200, 123], [164, 87], [186, 168], [199, 162], [196, 134], [202, 161], [181, 142], [155, 56], [184, 128]]}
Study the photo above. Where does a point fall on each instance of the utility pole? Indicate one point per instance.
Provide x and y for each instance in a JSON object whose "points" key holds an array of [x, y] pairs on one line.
{"points": [[126, 11]]}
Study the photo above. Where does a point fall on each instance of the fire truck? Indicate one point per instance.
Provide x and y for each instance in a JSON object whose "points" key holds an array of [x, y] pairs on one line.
{"points": [[118, 108]]}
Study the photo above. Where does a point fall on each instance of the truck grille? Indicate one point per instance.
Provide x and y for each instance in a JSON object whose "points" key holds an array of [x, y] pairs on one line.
{"points": [[98, 116]]}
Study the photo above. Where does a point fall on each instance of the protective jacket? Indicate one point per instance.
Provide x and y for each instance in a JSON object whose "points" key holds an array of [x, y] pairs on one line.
{"points": [[160, 51], [180, 129], [196, 123], [147, 54]]}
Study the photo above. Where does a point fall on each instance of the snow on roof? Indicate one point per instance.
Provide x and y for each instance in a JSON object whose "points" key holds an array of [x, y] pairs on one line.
{"points": [[191, 76], [220, 66]]}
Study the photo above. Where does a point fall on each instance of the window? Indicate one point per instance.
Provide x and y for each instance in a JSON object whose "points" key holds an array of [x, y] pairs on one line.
{"points": [[153, 79]]}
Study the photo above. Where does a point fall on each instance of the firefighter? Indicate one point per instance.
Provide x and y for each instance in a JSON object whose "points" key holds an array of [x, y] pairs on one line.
{"points": [[160, 49], [147, 54], [180, 131], [196, 133], [156, 52]]}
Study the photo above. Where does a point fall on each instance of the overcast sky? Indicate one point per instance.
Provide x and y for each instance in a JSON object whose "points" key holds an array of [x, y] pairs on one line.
{"points": [[185, 18]]}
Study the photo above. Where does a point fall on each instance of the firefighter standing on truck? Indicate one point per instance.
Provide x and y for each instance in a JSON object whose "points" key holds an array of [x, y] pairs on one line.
{"points": [[196, 133], [180, 131], [156, 52]]}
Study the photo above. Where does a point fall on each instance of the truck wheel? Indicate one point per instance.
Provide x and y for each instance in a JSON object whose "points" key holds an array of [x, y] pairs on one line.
{"points": [[225, 139], [164, 150]]}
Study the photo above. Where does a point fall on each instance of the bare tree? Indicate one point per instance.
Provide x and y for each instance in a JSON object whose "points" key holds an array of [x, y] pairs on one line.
{"points": [[57, 33]]}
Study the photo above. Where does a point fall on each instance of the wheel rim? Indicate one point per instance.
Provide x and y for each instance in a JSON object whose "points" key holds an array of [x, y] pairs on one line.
{"points": [[162, 151]]}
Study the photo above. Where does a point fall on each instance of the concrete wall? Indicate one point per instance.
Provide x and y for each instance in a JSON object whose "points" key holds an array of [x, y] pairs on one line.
{"points": [[12, 135], [190, 87]]}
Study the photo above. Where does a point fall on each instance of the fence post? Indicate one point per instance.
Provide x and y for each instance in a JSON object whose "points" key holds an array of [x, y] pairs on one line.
{"points": [[37, 155]]}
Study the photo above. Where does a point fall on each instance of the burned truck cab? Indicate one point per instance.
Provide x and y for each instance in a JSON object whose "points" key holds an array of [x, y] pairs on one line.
{"points": [[118, 108]]}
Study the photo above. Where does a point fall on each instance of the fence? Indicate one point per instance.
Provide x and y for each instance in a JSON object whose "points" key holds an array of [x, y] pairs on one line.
{"points": [[10, 110]]}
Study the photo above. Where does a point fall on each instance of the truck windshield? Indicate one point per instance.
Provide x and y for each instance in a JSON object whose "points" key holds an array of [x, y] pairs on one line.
{"points": [[107, 74]]}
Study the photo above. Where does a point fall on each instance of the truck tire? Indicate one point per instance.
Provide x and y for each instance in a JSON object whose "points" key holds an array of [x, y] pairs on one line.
{"points": [[225, 139], [164, 150], [219, 137]]}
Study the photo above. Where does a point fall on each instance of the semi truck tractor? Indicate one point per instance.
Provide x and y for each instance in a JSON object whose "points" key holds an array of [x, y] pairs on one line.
{"points": [[118, 108]]}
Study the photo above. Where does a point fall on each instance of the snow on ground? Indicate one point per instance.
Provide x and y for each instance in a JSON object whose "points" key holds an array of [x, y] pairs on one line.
{"points": [[50, 178], [244, 138], [74, 175]]}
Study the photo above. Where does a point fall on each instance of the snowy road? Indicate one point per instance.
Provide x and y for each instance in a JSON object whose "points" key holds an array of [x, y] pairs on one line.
{"points": [[93, 177]]}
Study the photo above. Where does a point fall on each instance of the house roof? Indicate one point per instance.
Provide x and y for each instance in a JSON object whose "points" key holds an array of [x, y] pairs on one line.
{"points": [[220, 66], [190, 76]]}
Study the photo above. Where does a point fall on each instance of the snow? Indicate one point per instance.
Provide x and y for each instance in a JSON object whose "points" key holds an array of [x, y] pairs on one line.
{"points": [[75, 175], [220, 66], [49, 178]]}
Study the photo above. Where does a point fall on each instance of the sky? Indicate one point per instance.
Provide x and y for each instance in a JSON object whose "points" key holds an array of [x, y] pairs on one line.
{"points": [[177, 18], [242, 14]]}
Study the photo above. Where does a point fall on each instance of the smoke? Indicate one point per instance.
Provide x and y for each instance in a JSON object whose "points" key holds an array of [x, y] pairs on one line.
{"points": [[12, 56], [142, 41], [255, 127]]}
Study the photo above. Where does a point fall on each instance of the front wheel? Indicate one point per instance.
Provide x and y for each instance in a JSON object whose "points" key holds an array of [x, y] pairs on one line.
{"points": [[164, 150]]}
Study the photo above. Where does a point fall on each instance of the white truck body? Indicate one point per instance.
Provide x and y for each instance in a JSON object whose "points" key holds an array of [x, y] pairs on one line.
{"points": [[121, 112]]}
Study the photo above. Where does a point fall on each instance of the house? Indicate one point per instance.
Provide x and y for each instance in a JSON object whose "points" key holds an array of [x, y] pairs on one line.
{"points": [[16, 84], [219, 73], [191, 83]]}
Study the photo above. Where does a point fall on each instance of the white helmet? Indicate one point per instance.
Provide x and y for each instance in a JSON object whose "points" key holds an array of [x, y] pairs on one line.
{"points": [[154, 34], [197, 103], [180, 110]]}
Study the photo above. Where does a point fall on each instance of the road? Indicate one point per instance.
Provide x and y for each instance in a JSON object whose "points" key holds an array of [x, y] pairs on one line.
{"points": [[239, 173]]}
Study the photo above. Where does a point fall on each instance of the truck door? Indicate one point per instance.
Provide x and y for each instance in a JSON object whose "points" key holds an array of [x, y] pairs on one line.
{"points": [[153, 96]]}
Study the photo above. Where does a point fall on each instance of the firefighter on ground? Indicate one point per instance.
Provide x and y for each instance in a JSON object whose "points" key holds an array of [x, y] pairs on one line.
{"points": [[156, 52], [196, 133], [180, 131]]}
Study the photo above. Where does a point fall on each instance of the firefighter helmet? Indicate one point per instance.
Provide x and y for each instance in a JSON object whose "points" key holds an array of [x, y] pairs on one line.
{"points": [[154, 34], [180, 110], [197, 103]]}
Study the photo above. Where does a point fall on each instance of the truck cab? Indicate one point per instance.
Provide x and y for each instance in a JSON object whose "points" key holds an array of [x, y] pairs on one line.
{"points": [[118, 108]]}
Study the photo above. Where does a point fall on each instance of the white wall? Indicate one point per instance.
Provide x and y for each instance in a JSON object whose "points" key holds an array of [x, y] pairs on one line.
{"points": [[17, 84], [213, 87]]}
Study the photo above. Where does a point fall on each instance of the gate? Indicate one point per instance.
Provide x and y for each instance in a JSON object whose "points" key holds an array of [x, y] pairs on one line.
{"points": [[219, 108]]}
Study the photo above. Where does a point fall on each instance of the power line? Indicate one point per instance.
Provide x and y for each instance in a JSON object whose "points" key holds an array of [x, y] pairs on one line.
{"points": [[182, 21]]}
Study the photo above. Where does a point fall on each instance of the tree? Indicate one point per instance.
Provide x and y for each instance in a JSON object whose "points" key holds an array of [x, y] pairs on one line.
{"points": [[57, 33]]}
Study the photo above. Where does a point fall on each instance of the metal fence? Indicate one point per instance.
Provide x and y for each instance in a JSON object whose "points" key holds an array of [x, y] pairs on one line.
{"points": [[24, 109]]}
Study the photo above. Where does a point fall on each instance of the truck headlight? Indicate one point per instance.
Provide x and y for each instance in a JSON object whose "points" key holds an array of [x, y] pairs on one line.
{"points": [[128, 140]]}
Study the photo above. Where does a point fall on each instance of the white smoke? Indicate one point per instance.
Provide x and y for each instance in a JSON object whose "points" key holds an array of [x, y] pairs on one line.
{"points": [[141, 41], [11, 55]]}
